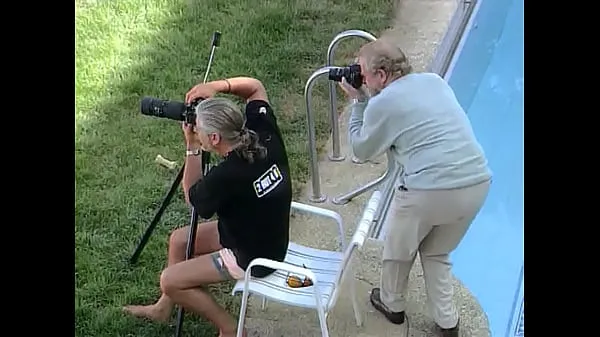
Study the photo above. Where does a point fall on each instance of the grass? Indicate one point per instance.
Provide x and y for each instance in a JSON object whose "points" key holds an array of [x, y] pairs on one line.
{"points": [[129, 48]]}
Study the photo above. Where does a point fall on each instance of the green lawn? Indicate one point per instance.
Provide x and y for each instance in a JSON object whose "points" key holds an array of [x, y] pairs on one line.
{"points": [[126, 49]]}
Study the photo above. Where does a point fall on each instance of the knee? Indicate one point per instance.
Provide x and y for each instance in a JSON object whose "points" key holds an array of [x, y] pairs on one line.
{"points": [[168, 282], [178, 238]]}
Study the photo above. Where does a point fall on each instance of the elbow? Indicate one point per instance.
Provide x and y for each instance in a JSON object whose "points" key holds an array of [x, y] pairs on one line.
{"points": [[256, 84], [257, 90]]}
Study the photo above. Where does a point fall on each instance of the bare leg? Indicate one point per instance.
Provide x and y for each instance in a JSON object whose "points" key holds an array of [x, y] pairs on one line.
{"points": [[182, 282], [207, 241]]}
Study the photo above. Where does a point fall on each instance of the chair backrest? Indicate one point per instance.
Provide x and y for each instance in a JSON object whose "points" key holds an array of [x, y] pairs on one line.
{"points": [[366, 221], [324, 212], [358, 238]]}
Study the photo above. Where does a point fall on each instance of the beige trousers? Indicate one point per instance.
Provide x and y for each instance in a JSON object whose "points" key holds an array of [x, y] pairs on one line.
{"points": [[431, 222]]}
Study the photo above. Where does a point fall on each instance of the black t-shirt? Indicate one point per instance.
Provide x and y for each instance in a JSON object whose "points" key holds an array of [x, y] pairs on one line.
{"points": [[252, 201]]}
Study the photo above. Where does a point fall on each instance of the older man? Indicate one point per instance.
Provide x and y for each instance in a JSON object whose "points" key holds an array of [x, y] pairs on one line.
{"points": [[445, 182]]}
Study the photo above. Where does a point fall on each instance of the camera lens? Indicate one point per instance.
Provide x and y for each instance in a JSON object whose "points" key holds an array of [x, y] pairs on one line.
{"points": [[155, 107]]}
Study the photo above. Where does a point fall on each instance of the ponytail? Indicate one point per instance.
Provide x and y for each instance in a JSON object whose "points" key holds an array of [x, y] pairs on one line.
{"points": [[222, 116], [250, 149]]}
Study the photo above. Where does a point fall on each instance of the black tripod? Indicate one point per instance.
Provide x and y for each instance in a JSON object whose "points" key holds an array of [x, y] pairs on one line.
{"points": [[189, 252], [167, 200]]}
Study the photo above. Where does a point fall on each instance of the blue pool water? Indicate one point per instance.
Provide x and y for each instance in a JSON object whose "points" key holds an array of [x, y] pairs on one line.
{"points": [[487, 76]]}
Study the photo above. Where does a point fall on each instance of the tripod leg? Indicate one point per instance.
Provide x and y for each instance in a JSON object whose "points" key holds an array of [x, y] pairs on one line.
{"points": [[157, 216], [205, 168], [188, 254]]}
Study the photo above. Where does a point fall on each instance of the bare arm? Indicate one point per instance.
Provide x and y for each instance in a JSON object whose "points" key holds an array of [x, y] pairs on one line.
{"points": [[192, 172], [247, 88]]}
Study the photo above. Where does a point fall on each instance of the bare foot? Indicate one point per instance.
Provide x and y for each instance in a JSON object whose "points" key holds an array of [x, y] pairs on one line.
{"points": [[148, 311]]}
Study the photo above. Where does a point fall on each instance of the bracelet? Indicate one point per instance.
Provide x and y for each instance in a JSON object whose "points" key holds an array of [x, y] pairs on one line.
{"points": [[228, 85], [194, 152]]}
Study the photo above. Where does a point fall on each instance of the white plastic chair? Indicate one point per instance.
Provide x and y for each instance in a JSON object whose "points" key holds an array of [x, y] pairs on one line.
{"points": [[325, 268]]}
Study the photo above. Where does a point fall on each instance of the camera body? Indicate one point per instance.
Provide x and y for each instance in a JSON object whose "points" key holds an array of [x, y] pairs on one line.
{"points": [[174, 110], [352, 74]]}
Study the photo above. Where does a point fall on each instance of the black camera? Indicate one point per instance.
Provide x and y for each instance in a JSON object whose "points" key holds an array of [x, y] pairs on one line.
{"points": [[174, 110], [351, 73]]}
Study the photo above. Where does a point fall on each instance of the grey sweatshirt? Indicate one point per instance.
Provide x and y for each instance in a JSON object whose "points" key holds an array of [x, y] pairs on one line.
{"points": [[419, 115]]}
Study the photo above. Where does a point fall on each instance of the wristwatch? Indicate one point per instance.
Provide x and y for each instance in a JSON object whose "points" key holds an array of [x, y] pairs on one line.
{"points": [[195, 152]]}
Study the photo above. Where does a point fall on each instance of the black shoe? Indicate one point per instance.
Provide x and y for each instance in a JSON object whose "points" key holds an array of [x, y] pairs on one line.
{"points": [[452, 332], [394, 317]]}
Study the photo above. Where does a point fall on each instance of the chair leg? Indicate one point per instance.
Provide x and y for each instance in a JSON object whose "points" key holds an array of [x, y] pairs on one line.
{"points": [[240, 328], [263, 305], [323, 322], [357, 314]]}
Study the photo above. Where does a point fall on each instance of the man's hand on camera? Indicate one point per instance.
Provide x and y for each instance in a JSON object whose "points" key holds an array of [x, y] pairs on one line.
{"points": [[191, 137], [202, 90], [351, 92]]}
